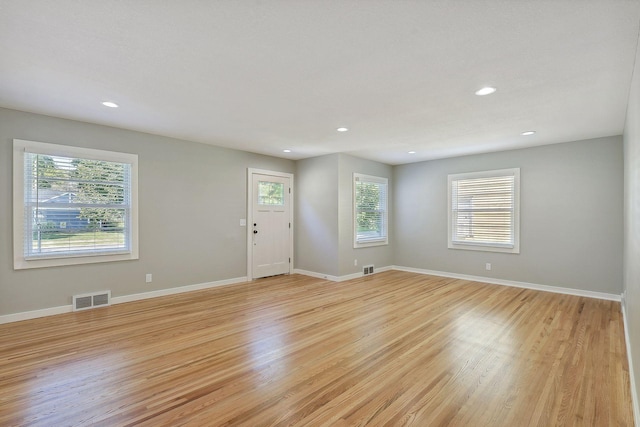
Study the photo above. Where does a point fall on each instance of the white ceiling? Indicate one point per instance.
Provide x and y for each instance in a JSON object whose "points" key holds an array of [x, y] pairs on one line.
{"points": [[268, 75]]}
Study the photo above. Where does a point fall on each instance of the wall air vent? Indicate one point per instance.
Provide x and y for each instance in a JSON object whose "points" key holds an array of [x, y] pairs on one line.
{"points": [[367, 269], [93, 300]]}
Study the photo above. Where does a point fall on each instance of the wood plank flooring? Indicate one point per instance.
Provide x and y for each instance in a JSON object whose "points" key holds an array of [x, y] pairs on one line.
{"points": [[390, 349]]}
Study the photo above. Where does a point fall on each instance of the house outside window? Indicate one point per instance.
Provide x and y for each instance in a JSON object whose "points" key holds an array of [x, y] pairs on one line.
{"points": [[73, 205], [484, 211]]}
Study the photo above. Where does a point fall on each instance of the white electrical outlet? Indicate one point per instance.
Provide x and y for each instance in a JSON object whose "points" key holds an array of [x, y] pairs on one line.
{"points": [[149, 278], [487, 266], [355, 262], [243, 222]]}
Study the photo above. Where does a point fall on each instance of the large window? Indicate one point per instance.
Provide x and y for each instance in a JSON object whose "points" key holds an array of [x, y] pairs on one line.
{"points": [[370, 210], [484, 211], [73, 205]]}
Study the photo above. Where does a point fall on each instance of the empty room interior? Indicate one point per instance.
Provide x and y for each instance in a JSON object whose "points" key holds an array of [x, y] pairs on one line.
{"points": [[319, 213]]}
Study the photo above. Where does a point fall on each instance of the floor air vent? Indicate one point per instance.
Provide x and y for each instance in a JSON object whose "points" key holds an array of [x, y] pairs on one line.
{"points": [[367, 269], [87, 301]]}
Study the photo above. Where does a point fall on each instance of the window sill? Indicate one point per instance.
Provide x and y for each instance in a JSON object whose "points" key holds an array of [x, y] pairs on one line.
{"points": [[485, 248], [370, 243], [21, 263]]}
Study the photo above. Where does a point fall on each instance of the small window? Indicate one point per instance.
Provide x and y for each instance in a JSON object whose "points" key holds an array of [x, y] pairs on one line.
{"points": [[270, 193], [484, 211], [73, 205], [370, 210]]}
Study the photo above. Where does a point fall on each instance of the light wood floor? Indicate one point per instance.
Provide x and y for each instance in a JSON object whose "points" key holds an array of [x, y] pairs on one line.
{"points": [[391, 349]]}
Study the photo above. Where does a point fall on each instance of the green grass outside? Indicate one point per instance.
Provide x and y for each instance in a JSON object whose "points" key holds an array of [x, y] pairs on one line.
{"points": [[65, 239]]}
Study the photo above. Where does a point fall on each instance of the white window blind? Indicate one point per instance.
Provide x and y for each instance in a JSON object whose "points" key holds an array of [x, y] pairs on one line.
{"points": [[76, 203], [484, 210], [370, 210]]}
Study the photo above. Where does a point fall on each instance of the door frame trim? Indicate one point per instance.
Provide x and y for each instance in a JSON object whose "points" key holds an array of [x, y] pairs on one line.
{"points": [[250, 173]]}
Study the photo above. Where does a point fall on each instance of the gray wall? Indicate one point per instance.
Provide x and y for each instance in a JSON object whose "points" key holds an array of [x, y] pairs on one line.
{"points": [[570, 223], [324, 215], [316, 215], [632, 220], [191, 198], [571, 227]]}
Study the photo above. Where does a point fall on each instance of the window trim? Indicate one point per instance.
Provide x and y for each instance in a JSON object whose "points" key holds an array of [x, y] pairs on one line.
{"points": [[19, 148], [377, 241], [487, 247]]}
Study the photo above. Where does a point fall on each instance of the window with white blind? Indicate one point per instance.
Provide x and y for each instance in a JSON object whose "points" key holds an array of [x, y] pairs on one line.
{"points": [[370, 200], [484, 211], [73, 205]]}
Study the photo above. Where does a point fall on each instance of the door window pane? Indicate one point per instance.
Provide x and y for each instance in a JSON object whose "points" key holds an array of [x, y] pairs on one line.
{"points": [[270, 193]]}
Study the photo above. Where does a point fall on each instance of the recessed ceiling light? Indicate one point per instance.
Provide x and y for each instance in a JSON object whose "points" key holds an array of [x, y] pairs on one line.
{"points": [[527, 133], [342, 129], [485, 91], [412, 152], [110, 104], [286, 150]]}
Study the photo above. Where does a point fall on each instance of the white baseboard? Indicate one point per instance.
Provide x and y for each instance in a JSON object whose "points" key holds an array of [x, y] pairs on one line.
{"points": [[315, 274], [16, 317], [26, 315], [177, 290], [632, 377], [348, 277], [512, 283], [525, 285], [338, 278]]}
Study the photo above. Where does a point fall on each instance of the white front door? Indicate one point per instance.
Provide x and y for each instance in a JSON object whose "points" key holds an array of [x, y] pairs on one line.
{"points": [[269, 225]]}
